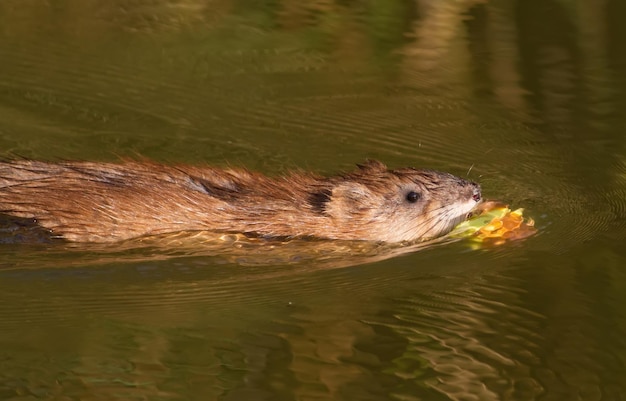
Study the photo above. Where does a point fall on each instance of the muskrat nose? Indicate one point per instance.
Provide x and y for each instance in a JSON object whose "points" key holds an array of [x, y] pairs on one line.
{"points": [[476, 192]]}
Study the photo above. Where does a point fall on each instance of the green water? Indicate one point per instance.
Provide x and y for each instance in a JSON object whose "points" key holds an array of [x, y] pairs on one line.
{"points": [[526, 97]]}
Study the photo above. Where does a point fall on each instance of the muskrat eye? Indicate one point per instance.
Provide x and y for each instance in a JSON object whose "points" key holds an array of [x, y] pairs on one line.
{"points": [[412, 197]]}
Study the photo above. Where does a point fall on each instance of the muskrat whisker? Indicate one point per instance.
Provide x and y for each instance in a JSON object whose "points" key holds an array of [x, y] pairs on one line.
{"points": [[442, 222], [470, 169]]}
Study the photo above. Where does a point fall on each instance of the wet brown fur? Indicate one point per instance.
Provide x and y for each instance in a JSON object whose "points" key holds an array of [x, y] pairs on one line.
{"points": [[104, 202]]}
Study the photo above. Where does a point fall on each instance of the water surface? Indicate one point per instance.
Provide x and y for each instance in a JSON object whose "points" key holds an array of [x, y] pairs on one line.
{"points": [[525, 97]]}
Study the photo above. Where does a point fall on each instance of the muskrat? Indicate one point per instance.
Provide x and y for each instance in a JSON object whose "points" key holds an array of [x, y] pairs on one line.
{"points": [[106, 202]]}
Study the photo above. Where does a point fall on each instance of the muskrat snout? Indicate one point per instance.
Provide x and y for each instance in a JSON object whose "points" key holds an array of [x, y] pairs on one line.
{"points": [[476, 195]]}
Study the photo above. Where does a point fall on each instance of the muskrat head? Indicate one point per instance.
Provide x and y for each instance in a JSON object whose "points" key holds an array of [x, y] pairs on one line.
{"points": [[400, 205]]}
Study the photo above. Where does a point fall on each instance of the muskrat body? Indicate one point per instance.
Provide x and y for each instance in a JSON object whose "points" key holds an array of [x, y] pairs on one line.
{"points": [[106, 202]]}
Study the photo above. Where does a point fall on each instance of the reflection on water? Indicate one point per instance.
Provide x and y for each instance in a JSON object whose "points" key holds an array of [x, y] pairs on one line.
{"points": [[221, 249], [459, 330], [526, 97]]}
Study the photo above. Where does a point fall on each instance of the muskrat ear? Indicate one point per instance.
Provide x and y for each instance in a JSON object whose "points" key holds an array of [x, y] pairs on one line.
{"points": [[371, 165], [349, 190], [348, 198]]}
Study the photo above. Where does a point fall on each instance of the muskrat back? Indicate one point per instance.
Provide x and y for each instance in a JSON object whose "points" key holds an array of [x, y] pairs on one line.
{"points": [[104, 202]]}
